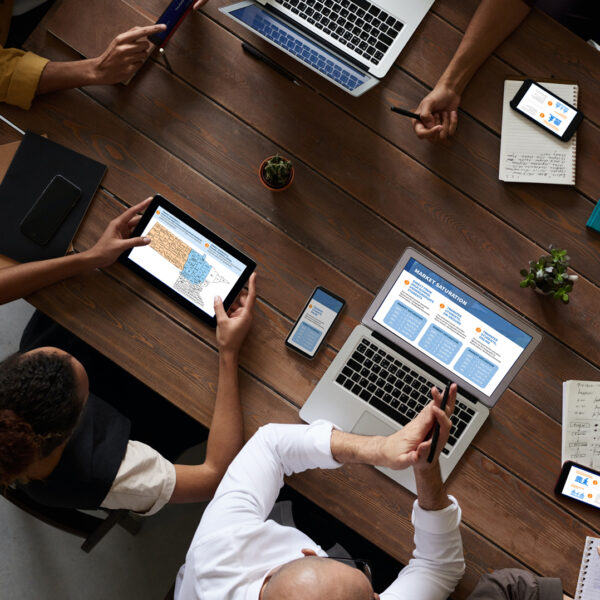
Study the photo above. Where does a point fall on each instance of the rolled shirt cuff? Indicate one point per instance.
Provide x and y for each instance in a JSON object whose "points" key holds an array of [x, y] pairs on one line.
{"points": [[25, 80]]}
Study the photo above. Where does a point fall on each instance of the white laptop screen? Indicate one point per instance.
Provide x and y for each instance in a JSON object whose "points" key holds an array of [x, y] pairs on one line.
{"points": [[451, 327], [300, 46]]}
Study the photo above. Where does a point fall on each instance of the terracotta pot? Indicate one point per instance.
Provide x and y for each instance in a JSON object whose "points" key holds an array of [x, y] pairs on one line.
{"points": [[270, 187]]}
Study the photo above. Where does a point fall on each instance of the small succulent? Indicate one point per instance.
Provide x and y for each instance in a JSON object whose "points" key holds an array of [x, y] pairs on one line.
{"points": [[549, 275], [277, 171]]}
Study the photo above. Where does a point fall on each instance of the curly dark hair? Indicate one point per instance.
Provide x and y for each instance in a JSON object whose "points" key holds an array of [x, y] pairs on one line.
{"points": [[39, 409]]}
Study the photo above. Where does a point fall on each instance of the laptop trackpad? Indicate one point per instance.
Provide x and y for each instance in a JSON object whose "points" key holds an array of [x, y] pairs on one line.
{"points": [[368, 424]]}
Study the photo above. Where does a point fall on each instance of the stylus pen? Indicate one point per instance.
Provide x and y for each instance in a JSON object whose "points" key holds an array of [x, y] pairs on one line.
{"points": [[436, 428], [269, 62], [406, 113], [164, 55]]}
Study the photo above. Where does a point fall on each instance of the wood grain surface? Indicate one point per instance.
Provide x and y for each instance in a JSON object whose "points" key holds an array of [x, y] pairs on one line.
{"points": [[365, 189]]}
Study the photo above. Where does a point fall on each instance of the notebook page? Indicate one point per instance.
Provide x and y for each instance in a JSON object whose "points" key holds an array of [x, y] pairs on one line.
{"points": [[588, 585], [581, 423], [527, 152]]}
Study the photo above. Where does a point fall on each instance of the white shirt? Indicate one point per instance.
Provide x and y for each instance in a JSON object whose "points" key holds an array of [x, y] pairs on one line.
{"points": [[144, 483], [235, 547]]}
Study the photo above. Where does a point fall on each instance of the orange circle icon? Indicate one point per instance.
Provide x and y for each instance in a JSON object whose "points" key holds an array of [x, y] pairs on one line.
{"points": [[595, 482], [549, 102], [310, 306], [206, 245], [542, 115], [478, 329], [442, 306], [589, 495], [158, 212], [406, 282]]}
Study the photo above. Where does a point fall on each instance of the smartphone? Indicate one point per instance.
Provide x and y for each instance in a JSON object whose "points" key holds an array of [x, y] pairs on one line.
{"points": [[580, 483], [172, 18], [50, 210], [551, 113], [315, 321]]}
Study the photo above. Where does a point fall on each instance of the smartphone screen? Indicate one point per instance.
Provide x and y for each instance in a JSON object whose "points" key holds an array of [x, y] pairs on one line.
{"points": [[580, 483], [544, 108], [50, 210], [171, 18], [314, 322]]}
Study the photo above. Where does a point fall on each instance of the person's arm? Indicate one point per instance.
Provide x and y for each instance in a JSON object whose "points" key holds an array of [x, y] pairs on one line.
{"points": [[492, 22], [20, 74], [20, 280], [199, 482], [118, 63]]}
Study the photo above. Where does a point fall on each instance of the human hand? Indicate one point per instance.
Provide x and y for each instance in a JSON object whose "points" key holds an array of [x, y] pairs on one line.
{"points": [[410, 446], [116, 237], [439, 116], [124, 55], [199, 4], [233, 326]]}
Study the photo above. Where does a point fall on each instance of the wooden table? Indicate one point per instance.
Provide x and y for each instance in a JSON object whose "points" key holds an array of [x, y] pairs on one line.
{"points": [[365, 188]]}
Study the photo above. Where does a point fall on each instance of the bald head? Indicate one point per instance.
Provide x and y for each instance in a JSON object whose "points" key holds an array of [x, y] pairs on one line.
{"points": [[313, 577]]}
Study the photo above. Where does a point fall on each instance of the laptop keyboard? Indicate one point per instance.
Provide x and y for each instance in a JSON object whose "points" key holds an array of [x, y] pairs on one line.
{"points": [[361, 26], [395, 388]]}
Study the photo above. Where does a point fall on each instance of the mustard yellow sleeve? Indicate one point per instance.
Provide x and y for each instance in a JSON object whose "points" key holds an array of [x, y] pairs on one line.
{"points": [[20, 74]]}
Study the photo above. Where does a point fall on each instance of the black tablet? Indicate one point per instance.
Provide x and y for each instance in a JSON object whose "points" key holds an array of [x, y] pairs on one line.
{"points": [[186, 261]]}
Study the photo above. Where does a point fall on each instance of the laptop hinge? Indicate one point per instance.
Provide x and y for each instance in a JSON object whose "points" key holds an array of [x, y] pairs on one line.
{"points": [[428, 368]]}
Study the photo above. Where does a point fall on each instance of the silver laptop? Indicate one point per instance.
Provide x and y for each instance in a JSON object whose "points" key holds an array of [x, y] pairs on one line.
{"points": [[352, 43], [426, 326]]}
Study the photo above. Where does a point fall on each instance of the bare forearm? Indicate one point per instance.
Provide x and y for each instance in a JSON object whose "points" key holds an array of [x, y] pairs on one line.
{"points": [[227, 428], [20, 280], [430, 488], [65, 75], [492, 22], [351, 448]]}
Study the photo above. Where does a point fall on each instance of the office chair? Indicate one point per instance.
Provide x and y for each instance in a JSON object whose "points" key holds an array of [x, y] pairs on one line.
{"points": [[74, 521]]}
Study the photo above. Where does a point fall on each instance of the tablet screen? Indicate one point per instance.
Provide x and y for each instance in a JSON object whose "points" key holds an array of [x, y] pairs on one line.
{"points": [[192, 264]]}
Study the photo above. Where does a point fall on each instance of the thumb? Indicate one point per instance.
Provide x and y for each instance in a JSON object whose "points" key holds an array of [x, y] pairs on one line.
{"points": [[135, 242], [427, 119], [220, 310]]}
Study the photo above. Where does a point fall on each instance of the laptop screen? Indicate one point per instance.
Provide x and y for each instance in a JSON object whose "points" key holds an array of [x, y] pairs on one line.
{"points": [[451, 327], [300, 46]]}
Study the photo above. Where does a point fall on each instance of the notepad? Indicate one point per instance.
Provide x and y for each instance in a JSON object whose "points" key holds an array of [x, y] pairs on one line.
{"points": [[527, 153], [588, 584], [581, 423]]}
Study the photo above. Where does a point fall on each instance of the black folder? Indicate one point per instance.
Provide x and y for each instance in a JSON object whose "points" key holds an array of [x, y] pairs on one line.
{"points": [[35, 164]]}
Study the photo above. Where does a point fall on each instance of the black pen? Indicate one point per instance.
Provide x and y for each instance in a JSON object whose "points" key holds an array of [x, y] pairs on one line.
{"points": [[271, 63], [436, 428], [406, 113]]}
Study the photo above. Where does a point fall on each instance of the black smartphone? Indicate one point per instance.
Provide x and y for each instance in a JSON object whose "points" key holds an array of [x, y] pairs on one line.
{"points": [[579, 483], [315, 321], [551, 113], [172, 18], [50, 210]]}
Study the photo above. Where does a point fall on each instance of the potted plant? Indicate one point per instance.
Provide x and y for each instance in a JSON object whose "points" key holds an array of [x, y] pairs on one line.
{"points": [[548, 275], [276, 173]]}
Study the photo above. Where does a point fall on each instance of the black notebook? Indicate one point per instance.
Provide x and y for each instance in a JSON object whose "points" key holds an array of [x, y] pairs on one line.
{"points": [[36, 162]]}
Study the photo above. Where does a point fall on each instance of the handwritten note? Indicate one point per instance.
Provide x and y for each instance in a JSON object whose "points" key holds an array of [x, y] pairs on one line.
{"points": [[527, 152], [581, 423]]}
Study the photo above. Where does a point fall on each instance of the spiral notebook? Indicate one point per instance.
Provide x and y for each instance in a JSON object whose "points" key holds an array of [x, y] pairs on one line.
{"points": [[527, 153], [588, 584]]}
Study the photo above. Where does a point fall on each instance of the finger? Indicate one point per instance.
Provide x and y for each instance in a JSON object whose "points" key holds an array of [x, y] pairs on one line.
{"points": [[199, 3], [135, 242], [453, 122], [251, 297], [134, 221], [137, 47], [234, 308], [445, 119], [220, 310], [139, 32], [451, 399], [425, 133]]}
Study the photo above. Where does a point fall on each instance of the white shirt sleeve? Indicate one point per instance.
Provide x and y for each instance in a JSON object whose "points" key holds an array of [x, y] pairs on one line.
{"points": [[438, 563], [250, 487], [144, 483]]}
